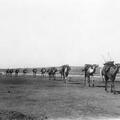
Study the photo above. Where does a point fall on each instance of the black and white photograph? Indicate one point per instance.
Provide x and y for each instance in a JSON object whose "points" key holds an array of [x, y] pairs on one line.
{"points": [[59, 59]]}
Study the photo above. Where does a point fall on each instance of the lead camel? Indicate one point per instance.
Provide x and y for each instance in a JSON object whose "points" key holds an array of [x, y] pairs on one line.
{"points": [[109, 72]]}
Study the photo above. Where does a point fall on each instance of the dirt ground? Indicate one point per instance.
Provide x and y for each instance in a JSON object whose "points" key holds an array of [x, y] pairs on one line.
{"points": [[54, 100]]}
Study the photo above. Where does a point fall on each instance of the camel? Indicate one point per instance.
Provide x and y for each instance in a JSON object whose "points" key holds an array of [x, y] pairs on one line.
{"points": [[43, 71], [16, 72], [7, 72], [89, 72], [107, 65], [24, 71], [65, 69], [11, 71], [109, 73], [51, 72], [34, 72]]}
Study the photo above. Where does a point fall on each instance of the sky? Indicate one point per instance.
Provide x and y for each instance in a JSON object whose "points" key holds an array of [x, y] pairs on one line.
{"points": [[36, 33]]}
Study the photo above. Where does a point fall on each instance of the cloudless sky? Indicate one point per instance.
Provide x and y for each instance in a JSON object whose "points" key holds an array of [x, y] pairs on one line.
{"points": [[35, 33]]}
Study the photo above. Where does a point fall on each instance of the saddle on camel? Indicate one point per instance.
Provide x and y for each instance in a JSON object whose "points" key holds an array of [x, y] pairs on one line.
{"points": [[108, 65]]}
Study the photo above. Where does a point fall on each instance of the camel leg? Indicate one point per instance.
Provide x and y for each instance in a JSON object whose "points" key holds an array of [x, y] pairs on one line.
{"points": [[105, 85], [34, 74], [92, 79], [54, 77], [89, 81], [49, 77], [112, 87], [102, 77], [85, 81], [61, 77], [64, 78]]}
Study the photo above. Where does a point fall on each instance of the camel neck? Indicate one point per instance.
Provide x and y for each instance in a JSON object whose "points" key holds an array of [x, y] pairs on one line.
{"points": [[116, 70], [93, 70]]}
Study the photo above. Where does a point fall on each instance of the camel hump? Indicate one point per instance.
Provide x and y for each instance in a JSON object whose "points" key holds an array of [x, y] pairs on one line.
{"points": [[87, 65], [109, 63]]}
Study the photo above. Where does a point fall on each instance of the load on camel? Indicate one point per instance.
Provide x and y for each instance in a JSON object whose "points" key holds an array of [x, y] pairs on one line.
{"points": [[106, 68], [65, 70], [107, 65]]}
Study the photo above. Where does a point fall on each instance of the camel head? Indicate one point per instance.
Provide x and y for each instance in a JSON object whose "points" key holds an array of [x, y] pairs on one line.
{"points": [[117, 65], [115, 69]]}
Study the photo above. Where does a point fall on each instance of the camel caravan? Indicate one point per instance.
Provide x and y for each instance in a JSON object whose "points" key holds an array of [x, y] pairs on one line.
{"points": [[50, 72], [107, 73]]}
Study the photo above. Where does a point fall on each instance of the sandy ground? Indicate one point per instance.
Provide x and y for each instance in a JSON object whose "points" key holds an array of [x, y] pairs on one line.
{"points": [[54, 100]]}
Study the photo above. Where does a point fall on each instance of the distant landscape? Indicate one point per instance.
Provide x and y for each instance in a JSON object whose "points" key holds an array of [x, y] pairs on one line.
{"points": [[75, 70]]}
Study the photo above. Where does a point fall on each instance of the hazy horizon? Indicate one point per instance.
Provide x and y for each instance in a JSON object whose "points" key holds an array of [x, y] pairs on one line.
{"points": [[37, 33]]}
